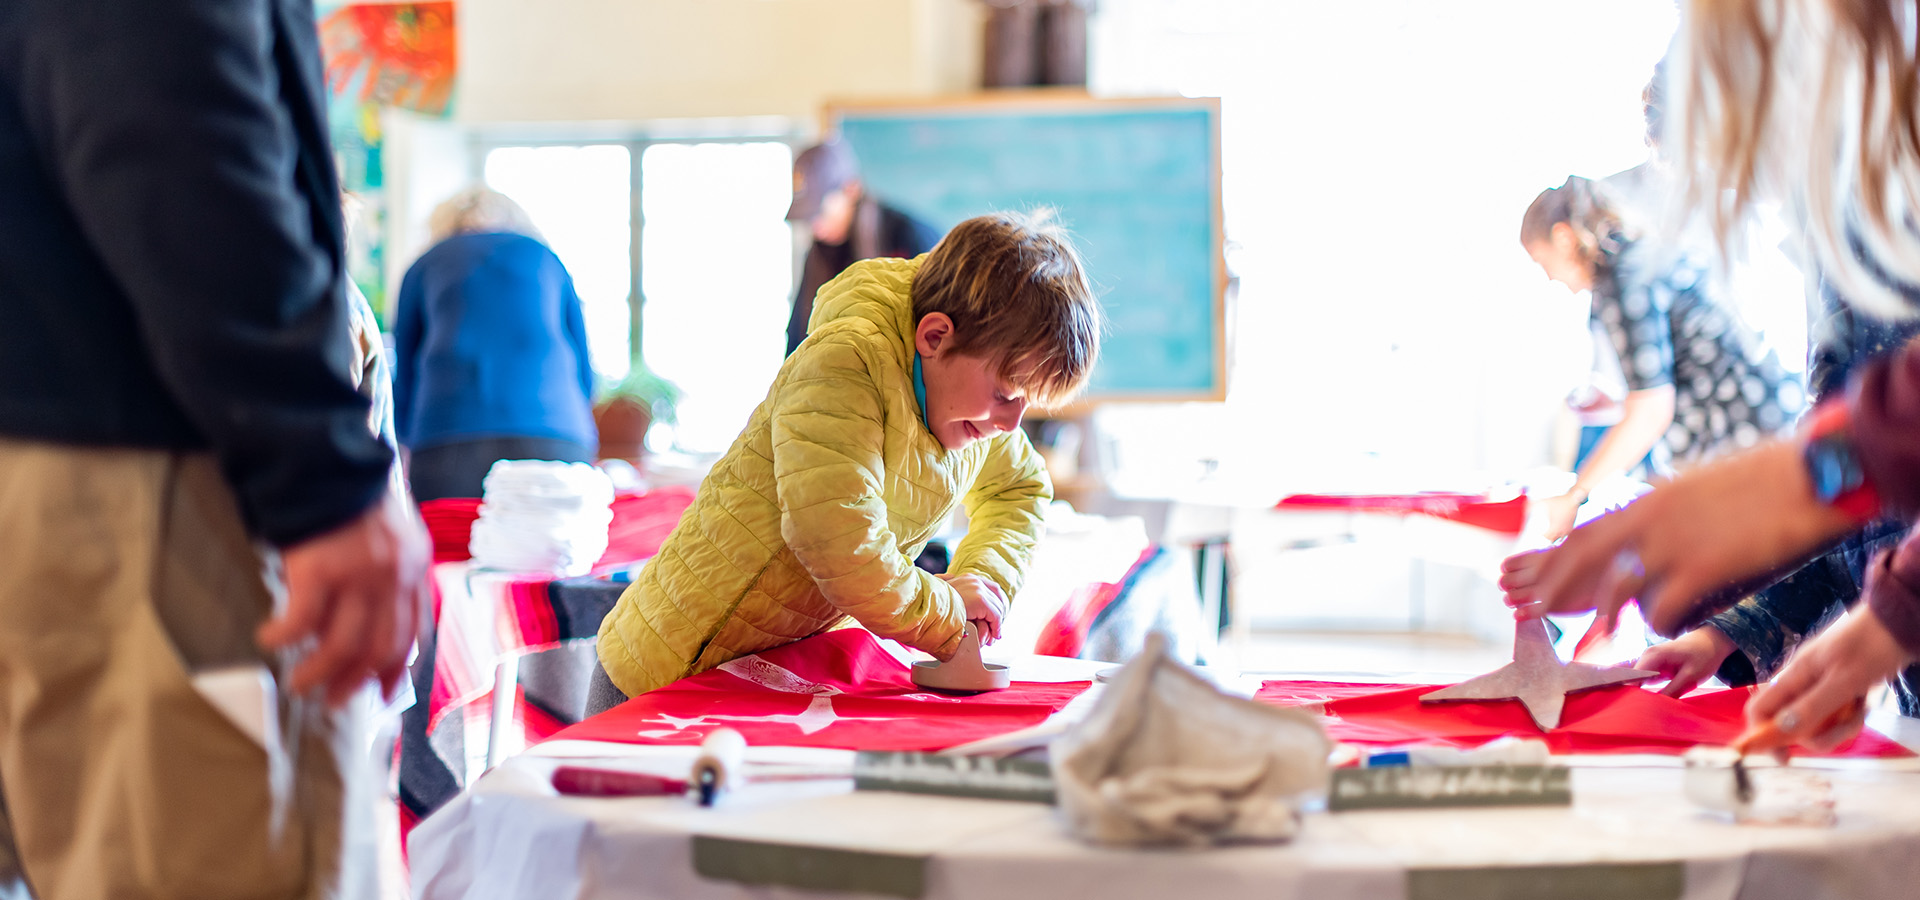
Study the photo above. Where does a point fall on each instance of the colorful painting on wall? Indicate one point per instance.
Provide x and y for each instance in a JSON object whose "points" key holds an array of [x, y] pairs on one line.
{"points": [[380, 55], [392, 54]]}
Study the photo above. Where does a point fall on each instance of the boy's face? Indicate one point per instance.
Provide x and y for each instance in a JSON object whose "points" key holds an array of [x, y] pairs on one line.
{"points": [[966, 399]]}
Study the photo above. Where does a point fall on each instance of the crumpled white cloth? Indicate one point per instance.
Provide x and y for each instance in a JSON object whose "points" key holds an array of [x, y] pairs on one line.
{"points": [[1167, 758], [538, 515]]}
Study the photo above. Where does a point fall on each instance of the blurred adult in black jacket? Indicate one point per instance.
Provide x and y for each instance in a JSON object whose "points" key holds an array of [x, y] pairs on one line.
{"points": [[176, 419], [848, 225]]}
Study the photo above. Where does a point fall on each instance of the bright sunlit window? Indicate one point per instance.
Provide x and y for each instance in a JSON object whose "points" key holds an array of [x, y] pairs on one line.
{"points": [[580, 197], [1377, 159], [718, 278]]}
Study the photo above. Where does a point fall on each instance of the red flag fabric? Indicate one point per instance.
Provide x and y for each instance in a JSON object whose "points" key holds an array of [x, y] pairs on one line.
{"points": [[1505, 517], [1066, 633], [449, 522], [641, 523], [1623, 719], [838, 689]]}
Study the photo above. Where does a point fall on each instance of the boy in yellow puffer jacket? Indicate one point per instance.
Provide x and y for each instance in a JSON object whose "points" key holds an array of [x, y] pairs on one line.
{"points": [[904, 401]]}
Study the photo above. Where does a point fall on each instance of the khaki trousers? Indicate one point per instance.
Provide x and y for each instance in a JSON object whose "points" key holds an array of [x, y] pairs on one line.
{"points": [[121, 573]]}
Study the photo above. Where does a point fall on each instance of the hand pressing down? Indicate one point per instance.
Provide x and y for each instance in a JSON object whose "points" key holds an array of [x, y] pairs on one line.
{"points": [[985, 604]]}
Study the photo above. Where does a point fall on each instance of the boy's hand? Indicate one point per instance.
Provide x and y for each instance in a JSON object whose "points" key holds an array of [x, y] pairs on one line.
{"points": [[1687, 660], [985, 604]]}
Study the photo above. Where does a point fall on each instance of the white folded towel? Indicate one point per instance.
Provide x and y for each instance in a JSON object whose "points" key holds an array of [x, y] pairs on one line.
{"points": [[1167, 758], [542, 516]]}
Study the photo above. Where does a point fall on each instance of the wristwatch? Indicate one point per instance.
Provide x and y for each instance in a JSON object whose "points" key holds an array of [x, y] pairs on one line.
{"points": [[1833, 465]]}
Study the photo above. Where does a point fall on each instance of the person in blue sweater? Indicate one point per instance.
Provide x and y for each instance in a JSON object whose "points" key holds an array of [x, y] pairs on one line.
{"points": [[490, 350]]}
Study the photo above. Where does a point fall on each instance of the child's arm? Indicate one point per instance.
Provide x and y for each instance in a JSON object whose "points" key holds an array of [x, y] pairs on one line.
{"points": [[828, 440], [1006, 511]]}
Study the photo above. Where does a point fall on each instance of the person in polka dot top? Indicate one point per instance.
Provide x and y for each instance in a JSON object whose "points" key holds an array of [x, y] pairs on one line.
{"points": [[1698, 381]]}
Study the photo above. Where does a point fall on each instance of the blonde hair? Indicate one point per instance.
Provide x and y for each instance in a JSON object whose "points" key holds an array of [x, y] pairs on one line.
{"points": [[1017, 292], [1582, 205], [479, 209], [1814, 101]]}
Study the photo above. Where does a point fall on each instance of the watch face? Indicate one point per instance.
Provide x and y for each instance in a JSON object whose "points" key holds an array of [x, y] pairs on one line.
{"points": [[1833, 468]]}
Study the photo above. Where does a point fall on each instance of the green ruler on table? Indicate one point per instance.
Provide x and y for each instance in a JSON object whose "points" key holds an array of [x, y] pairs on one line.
{"points": [[984, 777], [1424, 787]]}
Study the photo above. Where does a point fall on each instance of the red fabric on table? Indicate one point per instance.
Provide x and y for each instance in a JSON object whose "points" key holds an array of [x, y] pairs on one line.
{"points": [[1066, 633], [522, 611], [1506, 516], [838, 689], [1621, 719], [641, 523], [449, 523]]}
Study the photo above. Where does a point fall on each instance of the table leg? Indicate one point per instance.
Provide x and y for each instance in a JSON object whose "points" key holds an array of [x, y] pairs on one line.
{"points": [[501, 741]]}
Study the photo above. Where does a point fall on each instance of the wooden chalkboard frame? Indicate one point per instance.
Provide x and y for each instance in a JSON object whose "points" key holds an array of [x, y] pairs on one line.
{"points": [[1074, 100]]}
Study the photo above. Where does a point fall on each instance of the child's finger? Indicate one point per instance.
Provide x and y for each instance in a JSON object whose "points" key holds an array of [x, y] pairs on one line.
{"points": [[993, 614], [1521, 561], [1685, 679], [1660, 659]]}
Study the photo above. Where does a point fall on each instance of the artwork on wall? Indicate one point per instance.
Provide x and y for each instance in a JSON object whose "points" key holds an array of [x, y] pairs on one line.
{"points": [[392, 54], [380, 55]]}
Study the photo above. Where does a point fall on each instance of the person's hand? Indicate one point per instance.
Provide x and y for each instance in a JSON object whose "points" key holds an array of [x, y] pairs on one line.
{"points": [[1818, 699], [1589, 400], [1688, 540], [1687, 660], [1559, 512], [360, 591], [1579, 574], [985, 604]]}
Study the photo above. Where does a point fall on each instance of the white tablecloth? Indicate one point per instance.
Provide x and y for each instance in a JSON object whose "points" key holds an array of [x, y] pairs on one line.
{"points": [[512, 836]]}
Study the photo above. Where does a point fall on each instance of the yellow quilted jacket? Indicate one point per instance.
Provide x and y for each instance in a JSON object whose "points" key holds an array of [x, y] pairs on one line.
{"points": [[822, 503]]}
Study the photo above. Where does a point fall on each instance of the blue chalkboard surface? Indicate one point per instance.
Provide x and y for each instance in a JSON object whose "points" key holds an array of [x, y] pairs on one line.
{"points": [[1135, 181]]}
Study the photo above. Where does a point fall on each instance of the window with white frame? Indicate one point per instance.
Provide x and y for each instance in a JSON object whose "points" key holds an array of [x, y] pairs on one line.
{"points": [[715, 261], [717, 272]]}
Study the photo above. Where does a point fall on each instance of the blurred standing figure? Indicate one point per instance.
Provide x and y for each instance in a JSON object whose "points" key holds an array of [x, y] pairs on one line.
{"points": [[180, 440], [490, 350], [848, 225], [1698, 382]]}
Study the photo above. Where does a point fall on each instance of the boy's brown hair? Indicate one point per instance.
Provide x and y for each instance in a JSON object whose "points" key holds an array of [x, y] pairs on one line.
{"points": [[1017, 293]]}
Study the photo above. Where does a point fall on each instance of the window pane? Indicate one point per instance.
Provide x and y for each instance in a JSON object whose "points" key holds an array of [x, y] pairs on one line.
{"points": [[718, 278], [581, 199]]}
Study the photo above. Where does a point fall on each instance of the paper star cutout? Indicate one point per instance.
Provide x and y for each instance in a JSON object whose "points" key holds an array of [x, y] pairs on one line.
{"points": [[1537, 678]]}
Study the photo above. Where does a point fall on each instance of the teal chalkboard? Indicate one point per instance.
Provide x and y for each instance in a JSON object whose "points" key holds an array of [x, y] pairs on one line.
{"points": [[1136, 181]]}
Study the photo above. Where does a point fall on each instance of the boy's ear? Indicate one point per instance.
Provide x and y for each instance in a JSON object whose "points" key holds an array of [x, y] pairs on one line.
{"points": [[934, 332]]}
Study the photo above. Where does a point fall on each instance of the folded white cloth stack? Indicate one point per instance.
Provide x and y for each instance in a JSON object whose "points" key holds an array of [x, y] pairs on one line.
{"points": [[537, 515], [1167, 758]]}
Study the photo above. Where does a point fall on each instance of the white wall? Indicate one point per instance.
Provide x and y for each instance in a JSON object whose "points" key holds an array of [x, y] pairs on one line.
{"points": [[633, 60]]}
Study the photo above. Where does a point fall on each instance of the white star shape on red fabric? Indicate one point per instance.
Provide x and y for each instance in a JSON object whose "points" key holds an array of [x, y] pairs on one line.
{"points": [[1537, 678]]}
